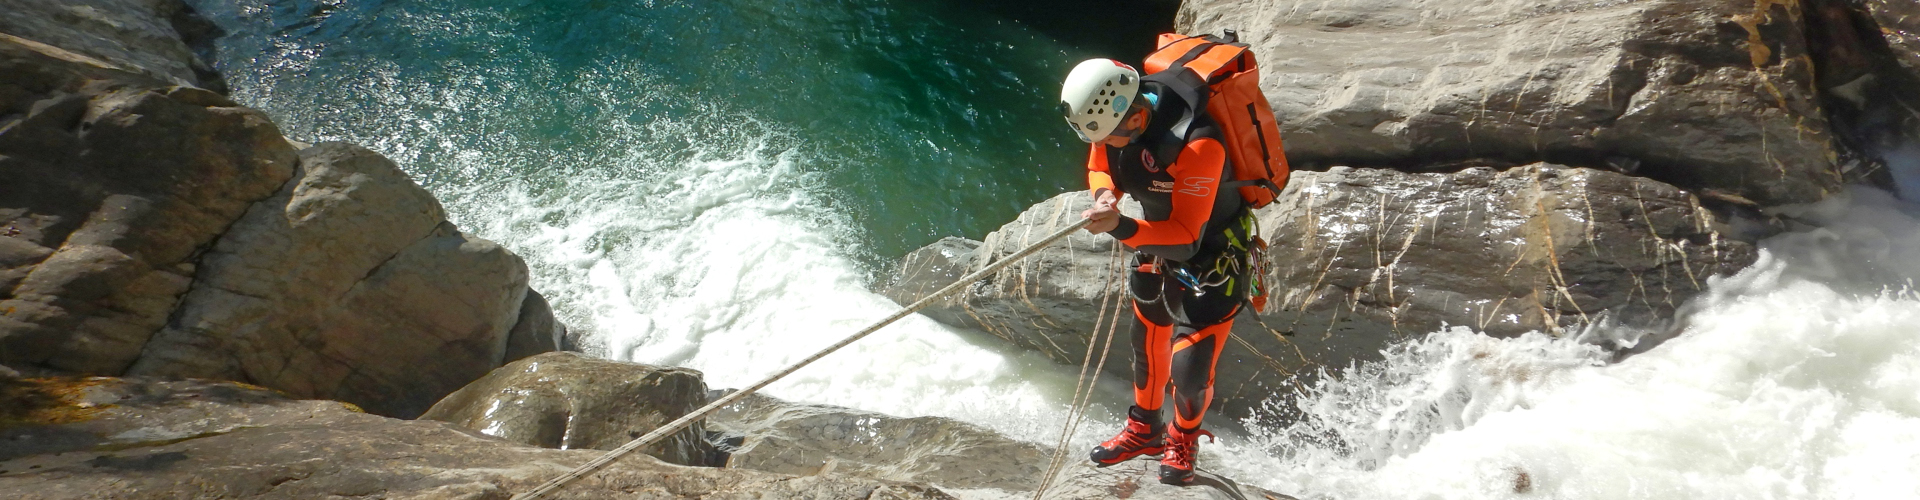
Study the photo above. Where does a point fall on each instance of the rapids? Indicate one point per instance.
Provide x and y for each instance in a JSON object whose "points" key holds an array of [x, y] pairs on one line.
{"points": [[683, 203]]}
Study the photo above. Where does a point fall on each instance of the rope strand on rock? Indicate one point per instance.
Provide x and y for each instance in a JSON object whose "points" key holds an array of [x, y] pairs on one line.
{"points": [[1082, 388], [671, 427]]}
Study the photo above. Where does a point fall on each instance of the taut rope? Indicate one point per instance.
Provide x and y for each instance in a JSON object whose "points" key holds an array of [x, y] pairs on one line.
{"points": [[588, 468]]}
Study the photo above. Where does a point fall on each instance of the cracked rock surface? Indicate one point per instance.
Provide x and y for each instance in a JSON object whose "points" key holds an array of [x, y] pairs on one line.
{"points": [[347, 284], [105, 437], [1716, 94], [114, 183]]}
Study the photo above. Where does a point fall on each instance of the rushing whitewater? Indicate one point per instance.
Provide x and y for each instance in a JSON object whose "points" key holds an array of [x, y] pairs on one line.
{"points": [[1799, 377], [685, 208]]}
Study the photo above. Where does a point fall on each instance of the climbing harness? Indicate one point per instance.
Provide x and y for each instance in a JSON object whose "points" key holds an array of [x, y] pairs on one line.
{"points": [[671, 427]]}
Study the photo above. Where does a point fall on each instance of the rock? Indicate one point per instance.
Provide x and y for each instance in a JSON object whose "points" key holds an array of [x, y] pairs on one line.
{"points": [[1047, 302], [1704, 95], [1381, 255], [567, 401], [195, 439], [158, 38], [116, 182], [1365, 257], [792, 438], [973, 462], [347, 284], [1899, 23], [536, 331]]}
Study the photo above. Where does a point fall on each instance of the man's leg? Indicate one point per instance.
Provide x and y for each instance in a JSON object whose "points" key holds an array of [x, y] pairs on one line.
{"points": [[1152, 350], [1195, 354]]}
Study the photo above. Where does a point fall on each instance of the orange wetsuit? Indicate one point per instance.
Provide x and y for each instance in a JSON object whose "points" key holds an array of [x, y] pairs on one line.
{"points": [[1175, 169]]}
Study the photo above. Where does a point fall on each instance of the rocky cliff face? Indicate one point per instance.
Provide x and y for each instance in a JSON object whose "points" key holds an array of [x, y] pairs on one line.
{"points": [[158, 228], [1717, 94]]}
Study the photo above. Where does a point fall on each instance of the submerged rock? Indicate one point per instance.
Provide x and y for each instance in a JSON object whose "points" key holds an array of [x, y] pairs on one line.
{"points": [[1364, 257], [567, 401], [1701, 94], [195, 439]]}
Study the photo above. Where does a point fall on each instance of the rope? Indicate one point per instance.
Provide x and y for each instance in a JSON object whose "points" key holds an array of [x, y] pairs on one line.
{"points": [[671, 427], [1078, 410]]}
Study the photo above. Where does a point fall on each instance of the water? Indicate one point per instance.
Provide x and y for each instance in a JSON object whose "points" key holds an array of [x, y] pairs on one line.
{"points": [[715, 184], [1798, 377], [706, 184]]}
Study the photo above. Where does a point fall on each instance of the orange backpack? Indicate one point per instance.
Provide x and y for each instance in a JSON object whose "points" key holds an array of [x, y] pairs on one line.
{"points": [[1226, 68]]}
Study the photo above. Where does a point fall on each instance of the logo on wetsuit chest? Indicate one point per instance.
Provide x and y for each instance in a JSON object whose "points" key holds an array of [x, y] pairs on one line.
{"points": [[1161, 187], [1146, 160]]}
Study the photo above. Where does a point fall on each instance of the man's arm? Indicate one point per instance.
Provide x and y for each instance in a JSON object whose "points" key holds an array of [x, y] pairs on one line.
{"points": [[1196, 177], [1105, 213]]}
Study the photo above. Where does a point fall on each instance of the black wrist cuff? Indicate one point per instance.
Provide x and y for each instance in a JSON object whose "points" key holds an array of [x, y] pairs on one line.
{"points": [[1125, 229]]}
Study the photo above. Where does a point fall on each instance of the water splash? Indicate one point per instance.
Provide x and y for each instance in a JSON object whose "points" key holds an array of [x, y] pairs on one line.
{"points": [[1798, 377]]}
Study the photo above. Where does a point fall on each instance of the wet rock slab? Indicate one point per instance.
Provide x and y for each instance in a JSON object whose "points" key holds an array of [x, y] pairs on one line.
{"points": [[793, 438], [963, 459], [172, 439], [564, 400]]}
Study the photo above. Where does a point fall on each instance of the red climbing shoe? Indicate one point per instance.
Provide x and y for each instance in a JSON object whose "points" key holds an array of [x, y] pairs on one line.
{"points": [[1142, 436], [1176, 467]]}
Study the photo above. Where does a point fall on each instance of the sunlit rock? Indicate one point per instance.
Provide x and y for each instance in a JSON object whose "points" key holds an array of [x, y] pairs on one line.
{"points": [[348, 284], [114, 182], [158, 38], [1700, 94]]}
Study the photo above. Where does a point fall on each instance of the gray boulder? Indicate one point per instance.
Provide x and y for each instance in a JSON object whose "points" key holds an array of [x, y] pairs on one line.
{"points": [[348, 284], [158, 38], [1715, 94], [567, 401], [196, 439], [115, 184], [1365, 257]]}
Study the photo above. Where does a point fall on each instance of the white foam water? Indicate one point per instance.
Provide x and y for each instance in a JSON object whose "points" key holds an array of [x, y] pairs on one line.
{"points": [[711, 243], [728, 259], [1798, 377]]}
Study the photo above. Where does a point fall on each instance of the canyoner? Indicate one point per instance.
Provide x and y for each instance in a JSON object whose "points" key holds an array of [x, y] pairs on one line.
{"points": [[1195, 143]]}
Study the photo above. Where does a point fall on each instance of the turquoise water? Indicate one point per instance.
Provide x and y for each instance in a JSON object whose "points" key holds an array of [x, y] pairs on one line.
{"points": [[919, 119], [716, 184]]}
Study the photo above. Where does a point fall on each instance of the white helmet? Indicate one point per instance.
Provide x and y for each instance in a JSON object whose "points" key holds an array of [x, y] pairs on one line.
{"points": [[1096, 97]]}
